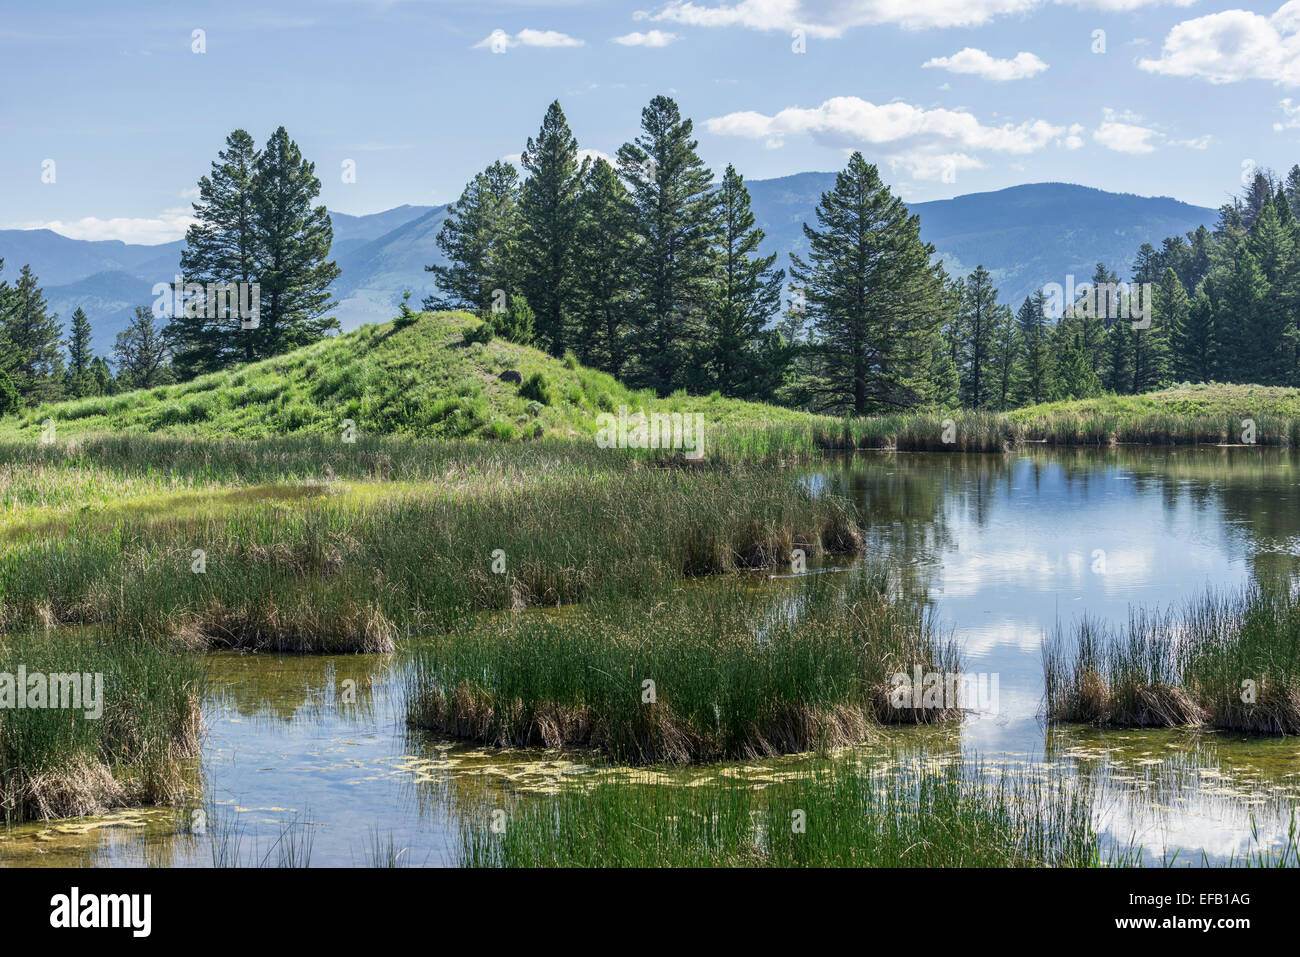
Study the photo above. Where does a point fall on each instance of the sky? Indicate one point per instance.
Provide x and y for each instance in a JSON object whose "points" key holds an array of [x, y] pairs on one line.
{"points": [[109, 114]]}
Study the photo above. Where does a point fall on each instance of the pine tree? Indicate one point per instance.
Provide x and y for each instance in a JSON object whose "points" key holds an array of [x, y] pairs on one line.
{"points": [[31, 335], [548, 218], [746, 293], [675, 224], [10, 401], [1034, 377], [1006, 353], [1271, 332], [293, 245], [221, 247], [478, 241], [80, 356], [142, 351], [980, 324], [1117, 353], [874, 296], [602, 272]]}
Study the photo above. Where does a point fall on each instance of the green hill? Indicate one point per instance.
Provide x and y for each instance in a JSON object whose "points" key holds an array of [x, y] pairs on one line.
{"points": [[420, 379]]}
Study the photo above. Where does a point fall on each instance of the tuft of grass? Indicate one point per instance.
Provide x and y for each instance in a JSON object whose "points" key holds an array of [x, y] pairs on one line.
{"points": [[696, 676], [1229, 661], [56, 762]]}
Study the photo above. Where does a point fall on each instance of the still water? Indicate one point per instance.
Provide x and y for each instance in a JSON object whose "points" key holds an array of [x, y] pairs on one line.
{"points": [[1004, 548]]}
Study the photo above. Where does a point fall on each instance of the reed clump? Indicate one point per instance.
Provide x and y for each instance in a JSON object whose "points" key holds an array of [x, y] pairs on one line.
{"points": [[1225, 660], [68, 761], [699, 675]]}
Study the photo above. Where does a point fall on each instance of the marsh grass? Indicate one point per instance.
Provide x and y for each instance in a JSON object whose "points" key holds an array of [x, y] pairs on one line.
{"points": [[852, 816], [700, 675], [1186, 667], [354, 572], [55, 762]]}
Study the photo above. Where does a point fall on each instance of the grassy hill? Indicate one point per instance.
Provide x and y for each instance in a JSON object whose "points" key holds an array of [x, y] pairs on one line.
{"points": [[421, 379]]}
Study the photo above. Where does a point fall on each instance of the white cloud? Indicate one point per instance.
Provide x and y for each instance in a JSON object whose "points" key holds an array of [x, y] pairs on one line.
{"points": [[850, 121], [498, 41], [1290, 116], [1234, 45], [1074, 140], [1125, 133], [930, 144], [832, 18], [651, 38], [168, 226], [979, 63]]}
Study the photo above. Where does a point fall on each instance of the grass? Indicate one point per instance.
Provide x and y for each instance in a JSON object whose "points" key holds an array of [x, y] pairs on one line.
{"points": [[1229, 661], [351, 566], [700, 675], [425, 379], [837, 813], [56, 762], [417, 380]]}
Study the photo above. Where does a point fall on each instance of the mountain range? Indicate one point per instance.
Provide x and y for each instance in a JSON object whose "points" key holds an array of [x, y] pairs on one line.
{"points": [[1025, 236]]}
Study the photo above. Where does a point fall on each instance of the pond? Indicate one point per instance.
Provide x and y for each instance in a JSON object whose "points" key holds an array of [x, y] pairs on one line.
{"points": [[310, 757]]}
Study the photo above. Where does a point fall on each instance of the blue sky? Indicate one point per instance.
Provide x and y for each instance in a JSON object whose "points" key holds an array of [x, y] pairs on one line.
{"points": [[1184, 96]]}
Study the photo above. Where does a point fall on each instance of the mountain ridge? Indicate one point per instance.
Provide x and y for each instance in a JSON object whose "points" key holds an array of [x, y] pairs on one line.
{"points": [[1025, 235]]}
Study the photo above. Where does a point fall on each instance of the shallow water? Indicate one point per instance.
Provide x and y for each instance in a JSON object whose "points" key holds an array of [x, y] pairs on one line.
{"points": [[310, 754]]}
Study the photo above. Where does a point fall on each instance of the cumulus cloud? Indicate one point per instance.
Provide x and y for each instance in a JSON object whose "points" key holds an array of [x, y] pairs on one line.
{"points": [[1126, 133], [927, 142], [167, 227], [851, 121], [981, 64], [651, 38], [1234, 45], [832, 18], [498, 41]]}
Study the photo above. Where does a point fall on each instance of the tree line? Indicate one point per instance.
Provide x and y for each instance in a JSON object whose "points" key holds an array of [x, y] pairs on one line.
{"points": [[649, 269]]}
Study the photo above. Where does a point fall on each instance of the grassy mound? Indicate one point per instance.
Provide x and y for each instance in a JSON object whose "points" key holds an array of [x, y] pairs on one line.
{"points": [[418, 379]]}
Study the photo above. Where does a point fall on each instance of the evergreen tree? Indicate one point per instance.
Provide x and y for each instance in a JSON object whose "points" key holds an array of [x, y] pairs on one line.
{"points": [[1117, 351], [293, 245], [31, 335], [874, 296], [9, 398], [981, 317], [142, 351], [603, 270], [221, 247], [80, 356], [478, 240], [1005, 356], [674, 222], [1073, 377], [1237, 320], [548, 219], [1034, 377], [746, 293]]}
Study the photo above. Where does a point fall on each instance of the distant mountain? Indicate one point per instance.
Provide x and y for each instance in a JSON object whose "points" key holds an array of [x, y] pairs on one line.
{"points": [[1025, 235]]}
